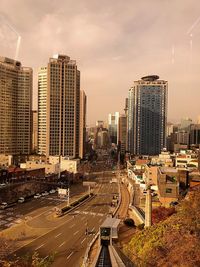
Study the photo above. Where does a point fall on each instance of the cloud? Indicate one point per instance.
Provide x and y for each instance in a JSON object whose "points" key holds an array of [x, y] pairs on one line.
{"points": [[114, 43]]}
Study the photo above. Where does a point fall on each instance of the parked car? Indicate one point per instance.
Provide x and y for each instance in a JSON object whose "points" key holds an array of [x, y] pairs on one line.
{"points": [[45, 193], [52, 191], [21, 199], [37, 196], [3, 184], [4, 205]]}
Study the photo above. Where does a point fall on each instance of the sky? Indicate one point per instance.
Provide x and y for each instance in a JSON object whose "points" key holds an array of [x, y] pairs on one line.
{"points": [[114, 42]]}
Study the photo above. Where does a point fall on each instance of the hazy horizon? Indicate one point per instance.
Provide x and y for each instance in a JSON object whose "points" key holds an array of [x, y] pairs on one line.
{"points": [[114, 44]]}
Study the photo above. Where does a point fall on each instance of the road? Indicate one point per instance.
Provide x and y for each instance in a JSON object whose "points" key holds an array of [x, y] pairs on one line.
{"points": [[34, 207], [67, 236]]}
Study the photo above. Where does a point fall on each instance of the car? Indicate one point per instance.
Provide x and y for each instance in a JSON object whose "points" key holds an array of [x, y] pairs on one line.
{"points": [[37, 196], [21, 199], [173, 203], [52, 191], [3, 184], [45, 193], [4, 205]]}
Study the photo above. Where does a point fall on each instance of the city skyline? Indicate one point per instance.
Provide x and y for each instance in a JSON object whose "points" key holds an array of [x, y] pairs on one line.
{"points": [[113, 47]]}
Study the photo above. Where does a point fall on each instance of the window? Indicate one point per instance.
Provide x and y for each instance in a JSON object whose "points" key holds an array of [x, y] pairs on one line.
{"points": [[168, 190]]}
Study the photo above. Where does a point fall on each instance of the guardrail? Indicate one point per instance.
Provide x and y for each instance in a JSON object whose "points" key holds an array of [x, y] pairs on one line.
{"points": [[85, 259]]}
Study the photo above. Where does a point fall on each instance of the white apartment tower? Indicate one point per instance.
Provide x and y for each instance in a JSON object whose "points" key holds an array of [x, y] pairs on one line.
{"points": [[59, 108], [15, 107]]}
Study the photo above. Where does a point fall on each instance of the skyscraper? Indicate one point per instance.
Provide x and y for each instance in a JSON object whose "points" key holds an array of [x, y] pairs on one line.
{"points": [[15, 107], [122, 133], [59, 107], [147, 111], [82, 137], [113, 120]]}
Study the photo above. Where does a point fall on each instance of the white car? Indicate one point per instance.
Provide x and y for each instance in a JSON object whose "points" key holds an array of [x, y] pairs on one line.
{"points": [[52, 191], [2, 184], [37, 196], [21, 200], [45, 193], [3, 205]]}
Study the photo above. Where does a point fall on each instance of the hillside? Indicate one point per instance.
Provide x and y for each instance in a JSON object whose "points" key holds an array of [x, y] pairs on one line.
{"points": [[173, 242]]}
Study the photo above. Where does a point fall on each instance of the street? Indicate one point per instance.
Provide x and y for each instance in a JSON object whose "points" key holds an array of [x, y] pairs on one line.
{"points": [[66, 235]]}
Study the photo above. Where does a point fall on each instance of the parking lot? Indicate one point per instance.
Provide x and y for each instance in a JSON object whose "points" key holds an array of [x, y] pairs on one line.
{"points": [[33, 207]]}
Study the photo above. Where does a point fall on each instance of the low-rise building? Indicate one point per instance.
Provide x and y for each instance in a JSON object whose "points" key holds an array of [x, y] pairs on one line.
{"points": [[168, 185], [49, 168], [163, 159], [66, 164]]}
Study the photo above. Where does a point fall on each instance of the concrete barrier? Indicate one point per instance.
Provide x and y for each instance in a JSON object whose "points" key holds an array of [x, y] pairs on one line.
{"points": [[137, 216]]}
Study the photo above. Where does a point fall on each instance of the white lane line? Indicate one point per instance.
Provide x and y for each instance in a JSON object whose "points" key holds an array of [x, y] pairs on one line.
{"points": [[72, 225], [83, 240], [62, 244], [76, 232], [39, 247], [70, 255], [58, 235], [93, 229]]}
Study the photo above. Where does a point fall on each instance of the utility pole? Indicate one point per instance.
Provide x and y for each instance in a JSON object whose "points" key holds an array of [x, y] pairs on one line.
{"points": [[59, 171], [148, 205], [199, 159], [68, 196]]}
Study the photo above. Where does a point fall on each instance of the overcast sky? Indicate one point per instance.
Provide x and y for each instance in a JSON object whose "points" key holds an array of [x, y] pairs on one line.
{"points": [[114, 43]]}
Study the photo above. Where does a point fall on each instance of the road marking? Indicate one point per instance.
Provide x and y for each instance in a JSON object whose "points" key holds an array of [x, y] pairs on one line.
{"points": [[76, 232], [72, 225], [70, 255], [83, 240], [93, 229], [62, 244], [39, 247], [58, 235]]}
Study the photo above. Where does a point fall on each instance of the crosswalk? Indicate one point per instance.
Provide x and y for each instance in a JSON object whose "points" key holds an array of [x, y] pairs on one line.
{"points": [[90, 213]]}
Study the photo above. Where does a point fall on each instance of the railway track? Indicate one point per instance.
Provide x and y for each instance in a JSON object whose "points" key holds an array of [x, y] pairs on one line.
{"points": [[104, 258]]}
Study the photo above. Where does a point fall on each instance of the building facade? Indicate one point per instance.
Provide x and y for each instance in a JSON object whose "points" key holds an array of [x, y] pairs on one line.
{"points": [[15, 108], [147, 112], [59, 107], [82, 138], [122, 133], [34, 130], [113, 120]]}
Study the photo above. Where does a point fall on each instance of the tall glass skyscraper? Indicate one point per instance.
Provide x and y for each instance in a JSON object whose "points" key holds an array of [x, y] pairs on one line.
{"points": [[147, 112]]}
